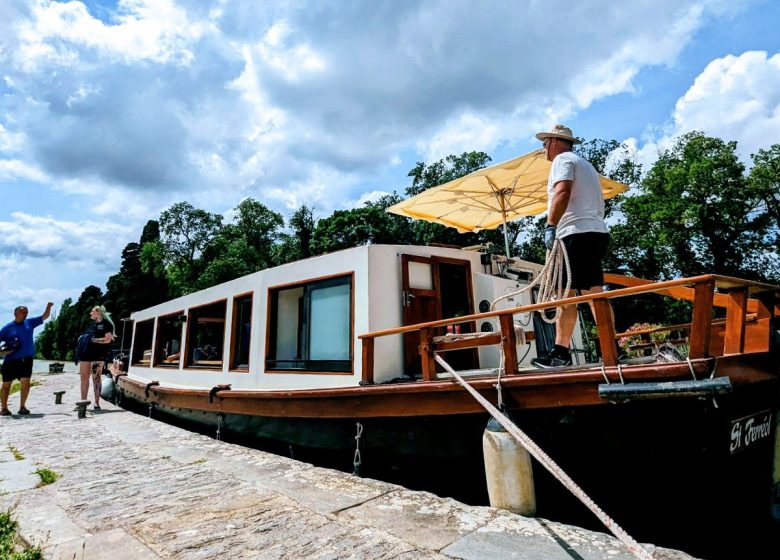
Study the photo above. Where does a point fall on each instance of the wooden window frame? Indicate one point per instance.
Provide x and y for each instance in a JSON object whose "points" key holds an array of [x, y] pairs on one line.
{"points": [[269, 326], [155, 342], [133, 362], [187, 365], [233, 333]]}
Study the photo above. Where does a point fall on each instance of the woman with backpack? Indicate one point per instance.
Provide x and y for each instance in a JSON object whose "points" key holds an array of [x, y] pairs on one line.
{"points": [[92, 350]]}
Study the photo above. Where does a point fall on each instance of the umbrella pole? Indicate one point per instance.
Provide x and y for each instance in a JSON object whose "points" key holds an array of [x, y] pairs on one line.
{"points": [[502, 201]]}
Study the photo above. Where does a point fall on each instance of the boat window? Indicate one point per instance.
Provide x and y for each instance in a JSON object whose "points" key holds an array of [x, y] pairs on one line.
{"points": [[167, 351], [311, 327], [242, 332], [142, 343], [206, 335]]}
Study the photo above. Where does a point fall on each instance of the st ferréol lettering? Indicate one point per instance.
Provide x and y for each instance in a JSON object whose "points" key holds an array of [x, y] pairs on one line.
{"points": [[749, 430]]}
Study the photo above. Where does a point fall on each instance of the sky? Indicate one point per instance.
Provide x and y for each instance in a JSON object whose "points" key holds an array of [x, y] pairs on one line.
{"points": [[111, 111]]}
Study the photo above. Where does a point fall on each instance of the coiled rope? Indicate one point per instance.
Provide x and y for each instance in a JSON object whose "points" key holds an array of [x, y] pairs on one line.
{"points": [[550, 281], [547, 462], [551, 288]]}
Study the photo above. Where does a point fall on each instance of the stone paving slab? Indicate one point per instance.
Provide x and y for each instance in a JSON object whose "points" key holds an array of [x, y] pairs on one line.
{"points": [[17, 475], [134, 487]]}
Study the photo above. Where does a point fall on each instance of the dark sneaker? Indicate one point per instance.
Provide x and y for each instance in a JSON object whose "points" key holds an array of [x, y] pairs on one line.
{"points": [[96, 407], [6, 412], [24, 411], [554, 362], [541, 362]]}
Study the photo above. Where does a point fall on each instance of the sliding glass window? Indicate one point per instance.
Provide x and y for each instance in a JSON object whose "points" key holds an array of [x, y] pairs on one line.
{"points": [[206, 336], [310, 327], [168, 347], [142, 343], [242, 332]]}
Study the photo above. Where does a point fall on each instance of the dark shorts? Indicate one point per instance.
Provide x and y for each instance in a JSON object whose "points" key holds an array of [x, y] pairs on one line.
{"points": [[17, 369], [586, 250]]}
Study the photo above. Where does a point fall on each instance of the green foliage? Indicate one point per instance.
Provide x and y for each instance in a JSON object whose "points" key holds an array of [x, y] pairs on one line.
{"points": [[16, 386], [695, 212], [765, 181], [8, 548], [18, 455], [186, 231], [60, 333], [141, 281], [47, 476]]}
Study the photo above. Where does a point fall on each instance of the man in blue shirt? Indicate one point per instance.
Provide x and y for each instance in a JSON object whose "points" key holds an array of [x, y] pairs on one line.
{"points": [[18, 336]]}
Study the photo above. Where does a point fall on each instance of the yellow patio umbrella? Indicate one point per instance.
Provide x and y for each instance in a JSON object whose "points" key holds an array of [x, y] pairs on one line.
{"points": [[491, 196]]}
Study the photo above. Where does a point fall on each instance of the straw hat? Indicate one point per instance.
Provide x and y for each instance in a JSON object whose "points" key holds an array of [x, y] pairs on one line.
{"points": [[559, 131]]}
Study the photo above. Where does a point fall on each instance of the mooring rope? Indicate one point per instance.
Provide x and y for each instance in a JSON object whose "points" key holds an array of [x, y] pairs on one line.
{"points": [[547, 462]]}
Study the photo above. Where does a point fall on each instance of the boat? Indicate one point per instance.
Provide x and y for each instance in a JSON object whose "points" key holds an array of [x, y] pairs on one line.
{"points": [[337, 353]]}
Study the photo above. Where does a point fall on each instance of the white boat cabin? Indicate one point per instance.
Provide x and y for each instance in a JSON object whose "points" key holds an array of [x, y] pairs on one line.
{"points": [[296, 326]]}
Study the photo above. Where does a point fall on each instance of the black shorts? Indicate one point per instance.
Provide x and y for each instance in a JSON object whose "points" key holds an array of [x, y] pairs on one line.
{"points": [[20, 368], [586, 250]]}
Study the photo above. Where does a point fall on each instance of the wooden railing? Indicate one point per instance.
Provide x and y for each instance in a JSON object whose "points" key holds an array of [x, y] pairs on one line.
{"points": [[733, 295]]}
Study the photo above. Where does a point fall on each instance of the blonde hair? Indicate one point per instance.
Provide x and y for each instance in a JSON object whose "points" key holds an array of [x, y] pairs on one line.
{"points": [[106, 315]]}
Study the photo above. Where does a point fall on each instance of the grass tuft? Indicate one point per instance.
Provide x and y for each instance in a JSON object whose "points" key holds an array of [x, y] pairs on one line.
{"points": [[47, 476], [9, 528], [16, 387], [18, 455]]}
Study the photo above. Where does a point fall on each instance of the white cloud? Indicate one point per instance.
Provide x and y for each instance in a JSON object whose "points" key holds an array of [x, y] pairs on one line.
{"points": [[371, 196], [734, 98], [218, 97], [14, 169], [87, 242], [156, 30]]}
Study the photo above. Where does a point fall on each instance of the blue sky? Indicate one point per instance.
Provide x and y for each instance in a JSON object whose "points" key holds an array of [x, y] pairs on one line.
{"points": [[112, 111]]}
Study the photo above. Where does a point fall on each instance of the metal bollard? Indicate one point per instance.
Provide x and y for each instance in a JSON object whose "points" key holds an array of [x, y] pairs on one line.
{"points": [[82, 406], [58, 397]]}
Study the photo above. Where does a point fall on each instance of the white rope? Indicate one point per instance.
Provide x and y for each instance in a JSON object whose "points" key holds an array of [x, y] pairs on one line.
{"points": [[634, 547], [549, 279]]}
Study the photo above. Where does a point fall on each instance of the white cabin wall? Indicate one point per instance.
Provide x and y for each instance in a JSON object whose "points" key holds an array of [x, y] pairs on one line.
{"points": [[386, 307], [385, 310], [344, 262]]}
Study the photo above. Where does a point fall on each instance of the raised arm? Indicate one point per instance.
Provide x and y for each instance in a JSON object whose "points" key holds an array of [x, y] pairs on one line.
{"points": [[45, 314]]}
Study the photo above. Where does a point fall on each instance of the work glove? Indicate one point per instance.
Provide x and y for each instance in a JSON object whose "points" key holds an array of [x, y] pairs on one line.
{"points": [[549, 237]]}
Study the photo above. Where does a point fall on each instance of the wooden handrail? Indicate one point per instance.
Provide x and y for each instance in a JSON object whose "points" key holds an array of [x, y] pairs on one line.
{"points": [[683, 293], [679, 327], [623, 292], [698, 289]]}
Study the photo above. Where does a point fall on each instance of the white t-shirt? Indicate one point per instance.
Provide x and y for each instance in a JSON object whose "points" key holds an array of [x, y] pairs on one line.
{"points": [[585, 211]]}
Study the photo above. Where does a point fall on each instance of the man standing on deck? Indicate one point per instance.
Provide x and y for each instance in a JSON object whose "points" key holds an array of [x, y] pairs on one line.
{"points": [[18, 337], [575, 216]]}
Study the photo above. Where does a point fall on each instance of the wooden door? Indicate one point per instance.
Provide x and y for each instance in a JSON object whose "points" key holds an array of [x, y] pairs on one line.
{"points": [[421, 303]]}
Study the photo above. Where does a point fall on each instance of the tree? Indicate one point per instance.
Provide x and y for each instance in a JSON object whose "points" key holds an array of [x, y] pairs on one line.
{"points": [[186, 231], [695, 213], [302, 223], [424, 176], [765, 180], [246, 245]]}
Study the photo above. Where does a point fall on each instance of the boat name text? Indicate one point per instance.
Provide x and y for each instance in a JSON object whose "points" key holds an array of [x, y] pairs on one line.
{"points": [[749, 430]]}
